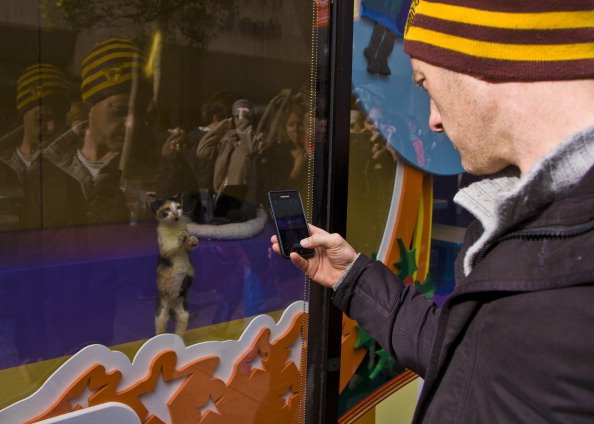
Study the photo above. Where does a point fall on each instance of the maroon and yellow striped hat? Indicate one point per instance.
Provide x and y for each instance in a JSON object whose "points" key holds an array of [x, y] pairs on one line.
{"points": [[41, 83], [109, 68], [504, 40]]}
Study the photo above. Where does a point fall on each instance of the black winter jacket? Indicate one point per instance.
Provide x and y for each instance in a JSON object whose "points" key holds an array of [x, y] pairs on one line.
{"points": [[514, 342]]}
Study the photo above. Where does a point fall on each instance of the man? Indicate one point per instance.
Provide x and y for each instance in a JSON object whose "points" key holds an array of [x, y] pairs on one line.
{"points": [[233, 163], [116, 93], [42, 99], [513, 87], [236, 143], [180, 170]]}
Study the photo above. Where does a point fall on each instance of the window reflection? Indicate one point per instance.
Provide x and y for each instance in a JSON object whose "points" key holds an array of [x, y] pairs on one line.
{"points": [[104, 105]]}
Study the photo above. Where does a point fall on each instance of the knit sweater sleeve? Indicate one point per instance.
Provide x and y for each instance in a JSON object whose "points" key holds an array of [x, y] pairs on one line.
{"points": [[394, 314]]}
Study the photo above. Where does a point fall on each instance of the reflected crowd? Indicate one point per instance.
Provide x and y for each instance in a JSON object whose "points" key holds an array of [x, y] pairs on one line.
{"points": [[91, 158]]}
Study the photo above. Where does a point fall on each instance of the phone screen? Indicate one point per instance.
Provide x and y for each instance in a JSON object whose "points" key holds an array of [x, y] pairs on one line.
{"points": [[289, 218]]}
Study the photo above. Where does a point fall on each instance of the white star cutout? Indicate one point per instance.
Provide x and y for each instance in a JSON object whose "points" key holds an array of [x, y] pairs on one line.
{"points": [[295, 355], [156, 401], [257, 363], [209, 407], [83, 399], [287, 397]]}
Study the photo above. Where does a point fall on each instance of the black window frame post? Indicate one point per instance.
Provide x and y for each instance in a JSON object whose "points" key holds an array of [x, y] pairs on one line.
{"points": [[331, 171]]}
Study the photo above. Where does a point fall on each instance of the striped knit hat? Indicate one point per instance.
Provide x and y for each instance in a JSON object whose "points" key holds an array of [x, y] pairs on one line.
{"points": [[504, 40], [109, 69], [41, 81]]}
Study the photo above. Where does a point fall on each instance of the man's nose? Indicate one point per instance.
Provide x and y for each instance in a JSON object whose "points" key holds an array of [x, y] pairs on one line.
{"points": [[50, 126], [129, 121], [434, 117]]}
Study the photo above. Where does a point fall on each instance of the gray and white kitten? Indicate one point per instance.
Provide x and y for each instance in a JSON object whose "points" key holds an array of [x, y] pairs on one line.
{"points": [[175, 272]]}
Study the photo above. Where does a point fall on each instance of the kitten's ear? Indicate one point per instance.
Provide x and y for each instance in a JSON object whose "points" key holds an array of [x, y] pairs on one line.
{"points": [[179, 197]]}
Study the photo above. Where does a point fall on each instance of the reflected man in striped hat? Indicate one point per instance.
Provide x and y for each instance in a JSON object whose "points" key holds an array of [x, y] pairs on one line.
{"points": [[116, 92], [42, 100]]}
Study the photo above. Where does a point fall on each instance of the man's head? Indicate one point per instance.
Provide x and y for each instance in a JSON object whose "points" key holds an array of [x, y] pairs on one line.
{"points": [[243, 109], [108, 120], [215, 111], [110, 72], [374, 119], [474, 57], [42, 98]]}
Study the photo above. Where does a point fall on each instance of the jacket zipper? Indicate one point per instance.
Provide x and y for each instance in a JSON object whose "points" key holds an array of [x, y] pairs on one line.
{"points": [[538, 234]]}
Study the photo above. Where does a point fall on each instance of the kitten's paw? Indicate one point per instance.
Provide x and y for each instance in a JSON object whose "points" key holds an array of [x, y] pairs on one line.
{"points": [[192, 242], [183, 236]]}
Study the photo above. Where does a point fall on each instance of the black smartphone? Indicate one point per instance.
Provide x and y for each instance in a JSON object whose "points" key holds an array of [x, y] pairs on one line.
{"points": [[289, 218]]}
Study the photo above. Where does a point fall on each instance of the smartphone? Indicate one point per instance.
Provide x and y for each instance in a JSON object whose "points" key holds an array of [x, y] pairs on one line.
{"points": [[289, 218]]}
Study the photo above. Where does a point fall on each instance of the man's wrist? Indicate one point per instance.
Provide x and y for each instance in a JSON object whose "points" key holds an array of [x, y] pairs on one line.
{"points": [[344, 274]]}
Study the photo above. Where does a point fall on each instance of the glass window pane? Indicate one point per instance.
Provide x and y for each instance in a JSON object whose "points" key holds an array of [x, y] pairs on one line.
{"points": [[139, 142]]}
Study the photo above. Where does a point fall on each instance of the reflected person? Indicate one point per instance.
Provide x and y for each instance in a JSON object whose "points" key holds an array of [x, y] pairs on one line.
{"points": [[235, 141], [42, 99], [282, 163], [91, 157], [181, 171]]}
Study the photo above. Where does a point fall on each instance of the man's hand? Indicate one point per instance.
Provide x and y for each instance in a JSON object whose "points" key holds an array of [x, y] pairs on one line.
{"points": [[242, 123], [173, 143], [222, 127], [332, 257]]}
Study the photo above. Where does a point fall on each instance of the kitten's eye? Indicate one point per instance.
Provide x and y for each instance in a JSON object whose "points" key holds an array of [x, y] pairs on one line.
{"points": [[166, 210], [179, 208]]}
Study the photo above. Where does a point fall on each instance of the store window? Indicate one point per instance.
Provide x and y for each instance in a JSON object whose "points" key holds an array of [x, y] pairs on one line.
{"points": [[139, 141]]}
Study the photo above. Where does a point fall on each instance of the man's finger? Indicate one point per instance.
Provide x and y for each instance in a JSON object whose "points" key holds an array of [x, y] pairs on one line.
{"points": [[299, 262], [315, 230], [322, 239]]}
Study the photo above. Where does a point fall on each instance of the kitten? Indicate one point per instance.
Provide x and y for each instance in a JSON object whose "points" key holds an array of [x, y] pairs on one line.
{"points": [[174, 271]]}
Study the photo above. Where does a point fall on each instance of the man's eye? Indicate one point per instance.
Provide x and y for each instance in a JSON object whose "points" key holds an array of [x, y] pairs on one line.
{"points": [[120, 111]]}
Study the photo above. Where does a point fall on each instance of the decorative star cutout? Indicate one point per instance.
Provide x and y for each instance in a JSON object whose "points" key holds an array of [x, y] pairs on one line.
{"points": [[287, 396], [209, 407], [83, 399], [257, 363], [156, 401], [296, 352]]}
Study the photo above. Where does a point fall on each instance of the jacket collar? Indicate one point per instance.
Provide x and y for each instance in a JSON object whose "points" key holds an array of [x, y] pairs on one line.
{"points": [[62, 153], [8, 155], [506, 200]]}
